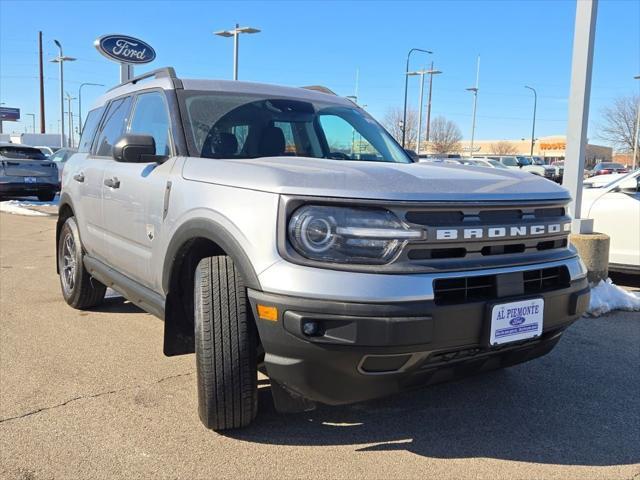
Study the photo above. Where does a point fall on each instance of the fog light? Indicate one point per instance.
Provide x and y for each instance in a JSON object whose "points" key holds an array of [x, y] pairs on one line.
{"points": [[311, 329]]}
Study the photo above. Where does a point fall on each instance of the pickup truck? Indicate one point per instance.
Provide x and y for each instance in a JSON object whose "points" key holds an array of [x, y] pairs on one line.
{"points": [[283, 230]]}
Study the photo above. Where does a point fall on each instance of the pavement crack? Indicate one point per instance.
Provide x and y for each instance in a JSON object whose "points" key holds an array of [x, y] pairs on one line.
{"points": [[94, 395]]}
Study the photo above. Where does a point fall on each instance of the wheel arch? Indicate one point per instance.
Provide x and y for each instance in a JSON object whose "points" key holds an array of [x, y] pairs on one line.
{"points": [[195, 239]]}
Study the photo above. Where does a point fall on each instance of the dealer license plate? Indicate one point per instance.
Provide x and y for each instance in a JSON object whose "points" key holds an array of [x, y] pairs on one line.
{"points": [[30, 180], [515, 321]]}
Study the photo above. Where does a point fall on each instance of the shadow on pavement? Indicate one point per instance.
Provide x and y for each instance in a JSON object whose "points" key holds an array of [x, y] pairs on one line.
{"points": [[579, 405], [117, 305]]}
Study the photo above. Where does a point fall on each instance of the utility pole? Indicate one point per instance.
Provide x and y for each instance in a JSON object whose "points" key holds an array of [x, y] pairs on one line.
{"points": [[42, 119], [535, 104], [475, 104], [70, 112], [33, 118], [431, 73]]}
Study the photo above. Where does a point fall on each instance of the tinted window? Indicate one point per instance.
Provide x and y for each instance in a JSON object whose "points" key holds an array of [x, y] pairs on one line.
{"points": [[113, 126], [150, 118], [510, 161], [22, 153], [251, 126], [89, 129]]}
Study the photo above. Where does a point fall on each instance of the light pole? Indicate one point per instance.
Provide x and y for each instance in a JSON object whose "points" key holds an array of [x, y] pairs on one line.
{"points": [[431, 73], [61, 59], [71, 139], [475, 104], [33, 118], [406, 86], [235, 33], [635, 140], [80, 102], [422, 73], [535, 104]]}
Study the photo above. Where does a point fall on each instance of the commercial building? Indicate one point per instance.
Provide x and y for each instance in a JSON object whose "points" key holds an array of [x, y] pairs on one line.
{"points": [[551, 148]]}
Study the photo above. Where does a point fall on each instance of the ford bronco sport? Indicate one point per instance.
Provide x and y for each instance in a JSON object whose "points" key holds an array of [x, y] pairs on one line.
{"points": [[284, 230]]}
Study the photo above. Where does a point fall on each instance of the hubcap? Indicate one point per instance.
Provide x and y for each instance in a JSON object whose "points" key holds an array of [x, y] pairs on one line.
{"points": [[68, 263]]}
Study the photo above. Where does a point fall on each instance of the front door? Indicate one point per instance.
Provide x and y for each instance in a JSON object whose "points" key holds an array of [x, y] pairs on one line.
{"points": [[133, 199]]}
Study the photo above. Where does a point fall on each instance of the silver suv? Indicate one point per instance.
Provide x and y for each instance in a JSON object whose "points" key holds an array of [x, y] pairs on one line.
{"points": [[283, 230]]}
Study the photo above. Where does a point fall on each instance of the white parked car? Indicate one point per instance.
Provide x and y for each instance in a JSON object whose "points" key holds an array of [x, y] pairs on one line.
{"points": [[485, 162], [615, 210], [526, 164]]}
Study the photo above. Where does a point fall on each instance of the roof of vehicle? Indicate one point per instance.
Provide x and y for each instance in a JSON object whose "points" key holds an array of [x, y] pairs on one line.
{"points": [[9, 144], [166, 79]]}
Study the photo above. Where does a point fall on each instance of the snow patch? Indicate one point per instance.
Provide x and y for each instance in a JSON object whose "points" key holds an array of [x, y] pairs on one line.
{"points": [[606, 296], [17, 208]]}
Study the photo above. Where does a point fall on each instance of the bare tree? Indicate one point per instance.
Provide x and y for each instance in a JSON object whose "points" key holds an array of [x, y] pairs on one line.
{"points": [[393, 123], [445, 136], [503, 148], [618, 123]]}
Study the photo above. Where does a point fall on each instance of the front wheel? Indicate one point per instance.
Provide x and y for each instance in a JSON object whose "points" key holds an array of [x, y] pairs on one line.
{"points": [[79, 289], [226, 338]]}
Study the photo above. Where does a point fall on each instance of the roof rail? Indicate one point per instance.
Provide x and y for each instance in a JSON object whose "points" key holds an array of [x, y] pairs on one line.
{"points": [[320, 88], [164, 72]]}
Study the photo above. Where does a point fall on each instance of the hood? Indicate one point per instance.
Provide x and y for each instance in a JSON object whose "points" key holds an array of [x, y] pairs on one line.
{"points": [[373, 180]]}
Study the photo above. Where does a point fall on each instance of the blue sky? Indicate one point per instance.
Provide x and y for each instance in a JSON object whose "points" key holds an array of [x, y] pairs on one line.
{"points": [[302, 43]]}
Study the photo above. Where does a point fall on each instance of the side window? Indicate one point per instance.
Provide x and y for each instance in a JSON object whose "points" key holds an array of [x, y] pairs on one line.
{"points": [[345, 141], [113, 126], [89, 129], [150, 117]]}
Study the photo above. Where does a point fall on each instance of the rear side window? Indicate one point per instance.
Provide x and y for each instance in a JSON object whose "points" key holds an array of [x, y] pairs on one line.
{"points": [[150, 117], [89, 129], [113, 126]]}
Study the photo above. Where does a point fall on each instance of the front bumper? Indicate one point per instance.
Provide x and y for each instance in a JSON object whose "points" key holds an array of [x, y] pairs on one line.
{"points": [[369, 350]]}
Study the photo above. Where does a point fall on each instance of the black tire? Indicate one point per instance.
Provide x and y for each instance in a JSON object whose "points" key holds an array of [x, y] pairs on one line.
{"points": [[46, 197], [225, 338], [79, 289]]}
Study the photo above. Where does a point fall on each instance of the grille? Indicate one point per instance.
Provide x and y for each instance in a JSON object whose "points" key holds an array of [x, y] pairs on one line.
{"points": [[485, 232], [453, 291]]}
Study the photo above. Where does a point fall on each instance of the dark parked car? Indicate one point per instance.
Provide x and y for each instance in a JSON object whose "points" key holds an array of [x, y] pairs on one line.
{"points": [[604, 168], [25, 171]]}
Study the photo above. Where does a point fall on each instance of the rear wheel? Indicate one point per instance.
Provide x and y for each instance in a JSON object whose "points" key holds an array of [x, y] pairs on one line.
{"points": [[79, 289], [226, 339]]}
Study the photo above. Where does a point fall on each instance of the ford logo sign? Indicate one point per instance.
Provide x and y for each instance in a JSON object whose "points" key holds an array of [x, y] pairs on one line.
{"points": [[124, 49], [517, 321]]}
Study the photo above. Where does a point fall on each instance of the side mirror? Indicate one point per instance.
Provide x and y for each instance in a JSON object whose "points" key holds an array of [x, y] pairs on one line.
{"points": [[135, 149]]}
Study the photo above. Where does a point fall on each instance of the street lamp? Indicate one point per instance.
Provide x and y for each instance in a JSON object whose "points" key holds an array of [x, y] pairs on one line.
{"points": [[33, 118], [235, 33], [475, 104], [406, 86], [421, 73], [61, 59], [635, 141], [80, 102], [535, 104]]}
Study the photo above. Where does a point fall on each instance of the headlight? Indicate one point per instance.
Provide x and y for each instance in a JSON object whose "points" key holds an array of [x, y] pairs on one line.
{"points": [[348, 235]]}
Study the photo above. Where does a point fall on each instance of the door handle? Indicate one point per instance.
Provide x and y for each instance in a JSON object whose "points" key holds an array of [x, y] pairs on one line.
{"points": [[112, 182], [79, 177]]}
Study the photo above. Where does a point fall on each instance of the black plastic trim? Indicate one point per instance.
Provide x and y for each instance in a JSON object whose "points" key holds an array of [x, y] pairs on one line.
{"points": [[140, 295], [210, 230]]}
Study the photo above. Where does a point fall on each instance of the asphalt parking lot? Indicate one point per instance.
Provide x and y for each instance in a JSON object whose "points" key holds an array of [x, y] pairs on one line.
{"points": [[90, 395]]}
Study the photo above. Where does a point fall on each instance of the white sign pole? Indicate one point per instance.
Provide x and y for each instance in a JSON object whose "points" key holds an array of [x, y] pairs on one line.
{"points": [[578, 121], [126, 72]]}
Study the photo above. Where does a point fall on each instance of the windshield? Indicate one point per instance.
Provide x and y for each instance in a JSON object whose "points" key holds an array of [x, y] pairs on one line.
{"points": [[524, 161], [21, 153], [220, 125], [496, 164]]}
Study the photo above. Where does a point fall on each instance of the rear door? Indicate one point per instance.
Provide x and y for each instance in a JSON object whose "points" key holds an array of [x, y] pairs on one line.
{"points": [[89, 173], [134, 203]]}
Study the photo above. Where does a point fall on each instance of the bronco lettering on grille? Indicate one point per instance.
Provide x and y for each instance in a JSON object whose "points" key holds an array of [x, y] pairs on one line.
{"points": [[500, 232]]}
